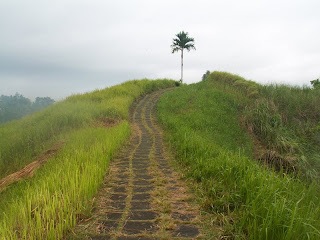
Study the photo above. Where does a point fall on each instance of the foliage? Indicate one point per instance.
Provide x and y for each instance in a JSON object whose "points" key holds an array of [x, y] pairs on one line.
{"points": [[249, 201], [239, 84], [18, 106], [49, 204], [204, 76], [316, 83], [25, 139], [61, 191], [42, 102], [282, 118], [181, 42]]}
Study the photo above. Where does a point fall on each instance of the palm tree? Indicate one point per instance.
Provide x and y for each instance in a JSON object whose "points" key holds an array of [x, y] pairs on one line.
{"points": [[183, 41]]}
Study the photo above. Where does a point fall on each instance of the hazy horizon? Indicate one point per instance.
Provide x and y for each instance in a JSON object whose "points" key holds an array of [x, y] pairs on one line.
{"points": [[60, 48]]}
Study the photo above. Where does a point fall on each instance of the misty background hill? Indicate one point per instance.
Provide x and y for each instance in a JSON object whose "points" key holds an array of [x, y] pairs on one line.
{"points": [[17, 106]]}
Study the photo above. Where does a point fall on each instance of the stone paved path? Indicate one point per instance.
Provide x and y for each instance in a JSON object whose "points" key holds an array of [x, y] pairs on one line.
{"points": [[142, 197]]}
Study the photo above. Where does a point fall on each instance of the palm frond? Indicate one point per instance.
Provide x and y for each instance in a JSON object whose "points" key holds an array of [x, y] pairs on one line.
{"points": [[190, 46], [183, 41], [175, 49]]}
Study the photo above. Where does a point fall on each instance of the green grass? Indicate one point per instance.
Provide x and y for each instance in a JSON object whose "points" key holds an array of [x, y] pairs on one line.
{"points": [[249, 200], [23, 140], [49, 204], [285, 120]]}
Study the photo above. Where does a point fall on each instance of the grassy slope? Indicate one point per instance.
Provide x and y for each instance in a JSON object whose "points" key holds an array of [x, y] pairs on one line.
{"points": [[251, 201], [23, 140], [285, 119], [45, 206]]}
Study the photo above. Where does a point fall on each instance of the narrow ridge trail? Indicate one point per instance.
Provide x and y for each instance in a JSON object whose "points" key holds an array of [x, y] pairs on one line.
{"points": [[142, 196]]}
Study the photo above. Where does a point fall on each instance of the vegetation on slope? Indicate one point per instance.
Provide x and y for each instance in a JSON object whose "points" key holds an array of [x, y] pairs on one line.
{"points": [[22, 141], [285, 120], [250, 201], [47, 205]]}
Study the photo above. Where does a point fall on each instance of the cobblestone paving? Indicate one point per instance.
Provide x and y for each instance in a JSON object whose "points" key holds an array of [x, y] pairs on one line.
{"points": [[142, 197]]}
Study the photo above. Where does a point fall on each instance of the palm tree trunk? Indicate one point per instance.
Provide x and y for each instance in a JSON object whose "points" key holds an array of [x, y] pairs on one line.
{"points": [[181, 66]]}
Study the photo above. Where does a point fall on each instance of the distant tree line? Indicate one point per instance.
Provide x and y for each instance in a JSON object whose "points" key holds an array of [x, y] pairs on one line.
{"points": [[18, 106]]}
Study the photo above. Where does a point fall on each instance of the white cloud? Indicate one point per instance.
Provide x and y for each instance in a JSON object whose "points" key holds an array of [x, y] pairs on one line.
{"points": [[69, 44]]}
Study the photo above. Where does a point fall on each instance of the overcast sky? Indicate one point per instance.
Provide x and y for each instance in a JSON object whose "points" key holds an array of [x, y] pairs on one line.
{"points": [[57, 48]]}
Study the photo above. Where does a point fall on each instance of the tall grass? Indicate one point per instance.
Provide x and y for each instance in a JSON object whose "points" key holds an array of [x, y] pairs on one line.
{"points": [[250, 201], [47, 205], [23, 140], [285, 120]]}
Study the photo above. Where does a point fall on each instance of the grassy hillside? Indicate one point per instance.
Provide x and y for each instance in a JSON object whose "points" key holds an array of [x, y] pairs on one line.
{"points": [[284, 119], [23, 140], [48, 204], [203, 126]]}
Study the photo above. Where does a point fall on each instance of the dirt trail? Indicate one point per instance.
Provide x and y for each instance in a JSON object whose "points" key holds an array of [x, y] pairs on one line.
{"points": [[142, 197]]}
